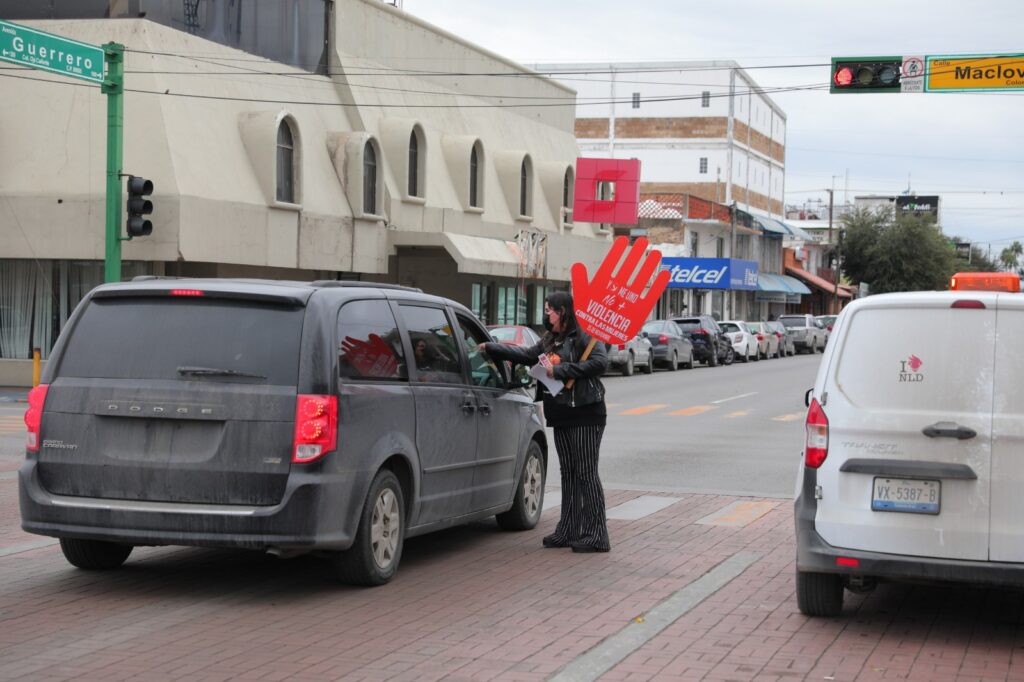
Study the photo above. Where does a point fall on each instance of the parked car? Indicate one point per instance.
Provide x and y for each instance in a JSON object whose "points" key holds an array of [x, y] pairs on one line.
{"points": [[669, 344], [786, 345], [710, 344], [516, 334], [744, 343], [767, 342], [912, 464], [330, 417], [626, 357], [808, 334], [826, 321]]}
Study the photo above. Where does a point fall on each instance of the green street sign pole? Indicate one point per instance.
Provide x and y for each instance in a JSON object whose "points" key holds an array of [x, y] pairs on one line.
{"points": [[113, 88]]}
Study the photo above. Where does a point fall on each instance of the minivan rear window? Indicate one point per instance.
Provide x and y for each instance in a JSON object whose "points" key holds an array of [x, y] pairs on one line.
{"points": [[153, 338], [688, 325]]}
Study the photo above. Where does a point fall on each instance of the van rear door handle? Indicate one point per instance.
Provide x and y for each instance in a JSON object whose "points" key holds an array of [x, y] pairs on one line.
{"points": [[468, 407], [485, 410], [948, 430]]}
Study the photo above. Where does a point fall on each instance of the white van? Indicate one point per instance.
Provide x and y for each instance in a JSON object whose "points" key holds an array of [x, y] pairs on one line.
{"points": [[914, 461]]}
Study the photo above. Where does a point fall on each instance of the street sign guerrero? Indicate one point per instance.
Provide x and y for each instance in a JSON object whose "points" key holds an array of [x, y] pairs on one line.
{"points": [[28, 47]]}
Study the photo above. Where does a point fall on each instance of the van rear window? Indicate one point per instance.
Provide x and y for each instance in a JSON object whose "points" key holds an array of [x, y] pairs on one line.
{"points": [[152, 338]]}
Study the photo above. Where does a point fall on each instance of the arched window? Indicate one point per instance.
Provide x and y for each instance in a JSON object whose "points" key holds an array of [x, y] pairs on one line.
{"points": [[369, 179], [285, 163], [474, 178], [414, 164], [524, 188]]}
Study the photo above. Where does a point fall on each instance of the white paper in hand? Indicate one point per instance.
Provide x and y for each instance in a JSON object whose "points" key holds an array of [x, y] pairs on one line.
{"points": [[539, 373]]}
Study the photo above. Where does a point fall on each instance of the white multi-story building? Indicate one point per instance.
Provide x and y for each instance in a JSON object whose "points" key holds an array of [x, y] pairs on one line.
{"points": [[700, 128]]}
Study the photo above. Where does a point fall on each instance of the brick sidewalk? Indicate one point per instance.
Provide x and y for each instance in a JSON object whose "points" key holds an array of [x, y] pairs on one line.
{"points": [[474, 603]]}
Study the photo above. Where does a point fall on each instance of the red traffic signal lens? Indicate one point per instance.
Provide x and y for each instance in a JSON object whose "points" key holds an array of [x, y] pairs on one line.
{"points": [[843, 77]]}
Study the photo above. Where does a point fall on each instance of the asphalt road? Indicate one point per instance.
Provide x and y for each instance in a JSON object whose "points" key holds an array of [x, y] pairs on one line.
{"points": [[735, 430]]}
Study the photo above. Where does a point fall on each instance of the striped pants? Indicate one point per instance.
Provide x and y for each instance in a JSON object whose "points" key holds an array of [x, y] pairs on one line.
{"points": [[583, 519]]}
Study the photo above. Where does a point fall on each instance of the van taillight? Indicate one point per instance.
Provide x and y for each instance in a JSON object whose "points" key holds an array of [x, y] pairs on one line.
{"points": [[316, 427], [34, 415], [187, 292], [968, 303], [816, 448]]}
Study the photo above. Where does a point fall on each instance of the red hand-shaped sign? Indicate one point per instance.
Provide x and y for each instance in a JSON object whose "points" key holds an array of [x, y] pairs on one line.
{"points": [[373, 358], [610, 307]]}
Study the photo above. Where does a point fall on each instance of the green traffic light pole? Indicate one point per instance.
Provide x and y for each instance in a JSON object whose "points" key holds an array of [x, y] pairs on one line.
{"points": [[113, 88]]}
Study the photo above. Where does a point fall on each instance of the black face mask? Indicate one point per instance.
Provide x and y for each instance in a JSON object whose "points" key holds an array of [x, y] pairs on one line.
{"points": [[547, 324]]}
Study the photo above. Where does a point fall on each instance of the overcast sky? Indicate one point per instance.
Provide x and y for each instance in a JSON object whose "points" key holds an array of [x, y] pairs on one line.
{"points": [[954, 145]]}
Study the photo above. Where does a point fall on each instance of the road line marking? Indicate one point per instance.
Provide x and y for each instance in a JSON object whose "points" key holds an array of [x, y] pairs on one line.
{"points": [[737, 413], [27, 546], [738, 514], [645, 409], [614, 649], [735, 397], [691, 411], [789, 417], [614, 404], [639, 507]]}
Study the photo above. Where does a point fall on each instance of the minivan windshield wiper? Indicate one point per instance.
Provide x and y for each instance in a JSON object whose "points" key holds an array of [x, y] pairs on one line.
{"points": [[214, 371]]}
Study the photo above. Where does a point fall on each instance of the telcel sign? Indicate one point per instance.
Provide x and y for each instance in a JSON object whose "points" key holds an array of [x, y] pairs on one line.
{"points": [[710, 273], [26, 46]]}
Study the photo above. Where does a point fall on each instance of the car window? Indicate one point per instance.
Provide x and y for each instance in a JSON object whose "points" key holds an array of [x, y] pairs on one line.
{"points": [[483, 371], [506, 334], [688, 325], [754, 326], [369, 346], [654, 327], [730, 327], [435, 355], [793, 321], [145, 337], [531, 337]]}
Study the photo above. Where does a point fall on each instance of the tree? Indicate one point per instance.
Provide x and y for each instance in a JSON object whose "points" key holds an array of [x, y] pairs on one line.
{"points": [[908, 254], [1010, 258], [978, 261]]}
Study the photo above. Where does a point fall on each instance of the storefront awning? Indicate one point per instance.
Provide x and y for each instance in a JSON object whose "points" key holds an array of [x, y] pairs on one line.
{"points": [[818, 282], [772, 283], [795, 285]]}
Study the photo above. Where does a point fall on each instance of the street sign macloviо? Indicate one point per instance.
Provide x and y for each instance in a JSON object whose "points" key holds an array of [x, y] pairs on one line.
{"points": [[29, 47]]}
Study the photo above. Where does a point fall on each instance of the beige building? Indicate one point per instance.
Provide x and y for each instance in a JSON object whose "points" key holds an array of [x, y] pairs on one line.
{"points": [[300, 139]]}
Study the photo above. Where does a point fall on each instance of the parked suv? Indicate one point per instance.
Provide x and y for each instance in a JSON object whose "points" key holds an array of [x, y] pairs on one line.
{"points": [[807, 333], [912, 466], [710, 344], [287, 417]]}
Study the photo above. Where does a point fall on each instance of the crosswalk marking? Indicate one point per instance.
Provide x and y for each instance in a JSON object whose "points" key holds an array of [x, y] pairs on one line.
{"points": [[690, 411], [737, 413], [11, 424], [788, 417], [645, 409]]}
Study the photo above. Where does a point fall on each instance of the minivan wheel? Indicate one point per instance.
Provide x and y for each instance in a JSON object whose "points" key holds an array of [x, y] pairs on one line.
{"points": [[374, 556], [94, 555], [649, 367], [627, 369], [689, 363], [819, 594], [529, 498], [673, 363]]}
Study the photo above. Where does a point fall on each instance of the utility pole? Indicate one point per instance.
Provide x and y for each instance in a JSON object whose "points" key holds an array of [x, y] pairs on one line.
{"points": [[835, 270], [732, 254]]}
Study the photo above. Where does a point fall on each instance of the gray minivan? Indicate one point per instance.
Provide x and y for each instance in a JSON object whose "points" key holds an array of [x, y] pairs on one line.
{"points": [[288, 417]]}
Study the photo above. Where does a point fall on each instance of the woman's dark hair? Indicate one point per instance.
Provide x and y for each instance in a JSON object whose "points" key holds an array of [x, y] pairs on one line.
{"points": [[562, 302]]}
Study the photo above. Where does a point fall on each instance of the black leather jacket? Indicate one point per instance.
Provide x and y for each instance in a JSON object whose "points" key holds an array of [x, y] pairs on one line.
{"points": [[586, 389]]}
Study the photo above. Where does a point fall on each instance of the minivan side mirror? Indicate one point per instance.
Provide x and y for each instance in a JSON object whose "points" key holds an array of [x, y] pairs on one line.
{"points": [[807, 397]]}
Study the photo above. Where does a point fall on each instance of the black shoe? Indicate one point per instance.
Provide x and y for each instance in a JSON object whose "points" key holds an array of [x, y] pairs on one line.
{"points": [[551, 541], [588, 549]]}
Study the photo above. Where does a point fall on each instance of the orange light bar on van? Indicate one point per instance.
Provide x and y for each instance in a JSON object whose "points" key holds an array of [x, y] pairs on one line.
{"points": [[985, 281], [187, 292]]}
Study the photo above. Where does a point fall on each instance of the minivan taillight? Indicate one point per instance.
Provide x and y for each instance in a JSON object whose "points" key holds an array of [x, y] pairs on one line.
{"points": [[316, 427], [816, 448], [34, 415]]}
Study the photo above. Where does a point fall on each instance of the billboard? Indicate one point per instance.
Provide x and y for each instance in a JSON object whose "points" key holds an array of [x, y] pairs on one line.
{"points": [[711, 273]]}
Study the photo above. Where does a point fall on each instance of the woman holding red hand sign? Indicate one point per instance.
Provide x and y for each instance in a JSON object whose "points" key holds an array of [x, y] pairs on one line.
{"points": [[578, 415]]}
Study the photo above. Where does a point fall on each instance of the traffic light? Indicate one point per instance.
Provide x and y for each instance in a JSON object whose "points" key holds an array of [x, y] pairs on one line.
{"points": [[139, 206], [866, 74]]}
